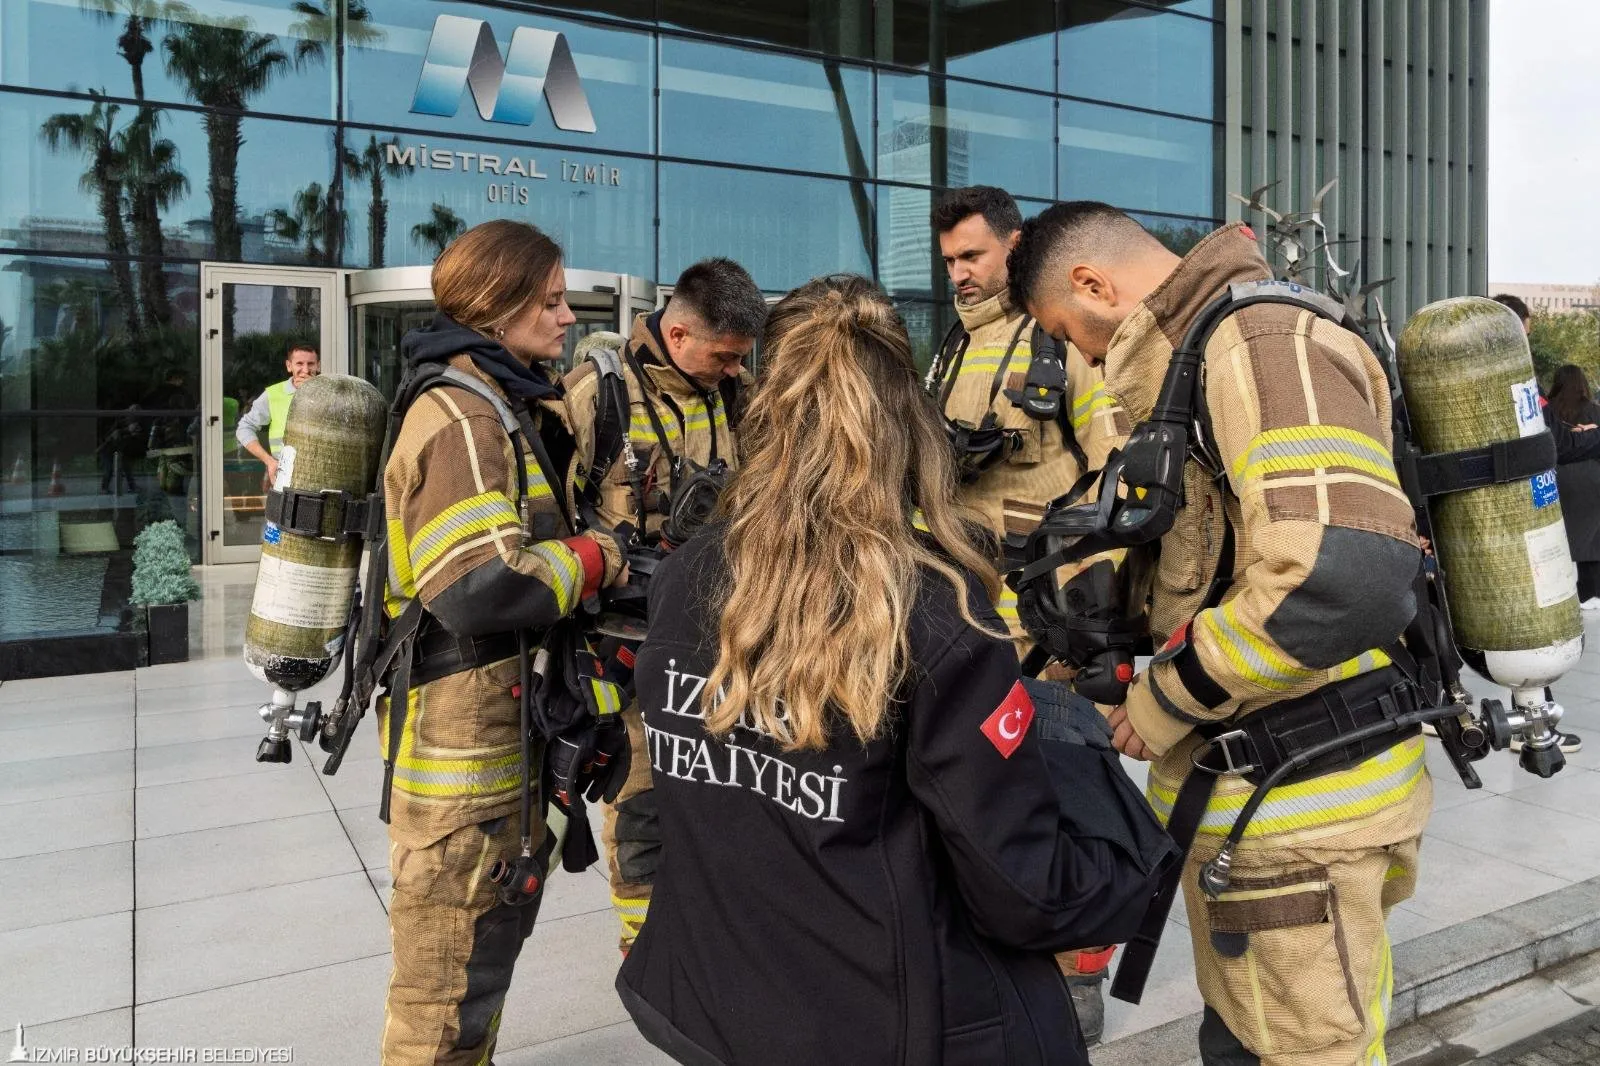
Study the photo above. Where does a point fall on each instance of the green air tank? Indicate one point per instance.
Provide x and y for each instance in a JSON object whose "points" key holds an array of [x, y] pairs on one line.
{"points": [[1469, 382], [331, 443]]}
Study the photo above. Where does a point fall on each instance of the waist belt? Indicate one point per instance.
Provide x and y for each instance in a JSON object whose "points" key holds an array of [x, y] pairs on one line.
{"points": [[1377, 710], [440, 653]]}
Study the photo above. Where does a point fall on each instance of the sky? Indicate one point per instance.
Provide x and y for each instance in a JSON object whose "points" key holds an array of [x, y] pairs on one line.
{"points": [[1544, 141]]}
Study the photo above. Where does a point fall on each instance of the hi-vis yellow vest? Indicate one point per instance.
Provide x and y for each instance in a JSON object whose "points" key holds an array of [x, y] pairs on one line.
{"points": [[278, 397]]}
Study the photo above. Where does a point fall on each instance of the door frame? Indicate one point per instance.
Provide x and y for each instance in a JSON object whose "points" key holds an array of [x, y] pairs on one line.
{"points": [[331, 336]]}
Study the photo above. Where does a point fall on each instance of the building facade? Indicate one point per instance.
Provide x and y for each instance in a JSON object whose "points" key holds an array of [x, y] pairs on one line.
{"points": [[1552, 299], [186, 188]]}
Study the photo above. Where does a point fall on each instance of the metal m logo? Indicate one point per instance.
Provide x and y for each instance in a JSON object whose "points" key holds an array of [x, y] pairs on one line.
{"points": [[463, 54]]}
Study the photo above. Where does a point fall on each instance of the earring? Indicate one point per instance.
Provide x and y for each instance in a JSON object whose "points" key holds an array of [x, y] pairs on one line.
{"points": [[500, 334]]}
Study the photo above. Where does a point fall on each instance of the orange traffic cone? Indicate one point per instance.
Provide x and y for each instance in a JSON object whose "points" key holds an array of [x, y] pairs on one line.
{"points": [[19, 473], [56, 487]]}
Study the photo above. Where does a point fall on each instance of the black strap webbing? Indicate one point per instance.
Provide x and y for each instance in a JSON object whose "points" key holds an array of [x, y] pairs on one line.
{"points": [[1423, 476], [1140, 953], [328, 515]]}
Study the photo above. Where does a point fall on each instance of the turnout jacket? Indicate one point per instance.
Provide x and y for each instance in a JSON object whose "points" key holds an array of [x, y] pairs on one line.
{"points": [[1011, 497], [457, 542], [1324, 548], [695, 419], [894, 902]]}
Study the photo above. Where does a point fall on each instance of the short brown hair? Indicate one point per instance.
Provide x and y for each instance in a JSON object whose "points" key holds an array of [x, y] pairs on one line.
{"points": [[492, 271]]}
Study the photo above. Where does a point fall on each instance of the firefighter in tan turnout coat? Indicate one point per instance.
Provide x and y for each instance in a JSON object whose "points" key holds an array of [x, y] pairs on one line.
{"points": [[480, 571], [1316, 582], [987, 358], [683, 369]]}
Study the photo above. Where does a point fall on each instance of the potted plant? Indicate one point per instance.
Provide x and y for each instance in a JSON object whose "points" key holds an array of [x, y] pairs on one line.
{"points": [[163, 585]]}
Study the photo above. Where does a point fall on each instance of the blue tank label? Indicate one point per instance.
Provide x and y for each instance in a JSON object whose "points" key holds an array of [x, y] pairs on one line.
{"points": [[1544, 489], [273, 534]]}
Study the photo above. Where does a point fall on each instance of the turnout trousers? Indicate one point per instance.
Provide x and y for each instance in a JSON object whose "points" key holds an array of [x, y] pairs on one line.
{"points": [[631, 836], [1294, 960], [455, 945]]}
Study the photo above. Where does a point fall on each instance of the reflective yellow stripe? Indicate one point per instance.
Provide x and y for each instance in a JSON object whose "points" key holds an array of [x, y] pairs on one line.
{"points": [[402, 582], [457, 777], [471, 517], [538, 487], [1381, 781], [566, 569], [278, 399], [1085, 406], [1382, 999], [1252, 658], [631, 913], [1364, 663], [1006, 607], [607, 697], [1300, 448], [919, 521]]}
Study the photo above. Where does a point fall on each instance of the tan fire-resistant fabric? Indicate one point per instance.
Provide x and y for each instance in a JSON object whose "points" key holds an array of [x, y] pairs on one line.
{"points": [[449, 489], [692, 439], [1300, 413], [1295, 957], [1012, 496], [703, 434], [629, 899], [454, 947]]}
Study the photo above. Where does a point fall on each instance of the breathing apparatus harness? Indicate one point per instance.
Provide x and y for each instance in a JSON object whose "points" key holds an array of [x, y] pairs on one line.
{"points": [[1335, 727], [692, 494], [1042, 397], [563, 695]]}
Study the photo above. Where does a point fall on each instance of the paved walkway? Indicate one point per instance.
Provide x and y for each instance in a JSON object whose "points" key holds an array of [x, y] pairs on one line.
{"points": [[158, 887]]}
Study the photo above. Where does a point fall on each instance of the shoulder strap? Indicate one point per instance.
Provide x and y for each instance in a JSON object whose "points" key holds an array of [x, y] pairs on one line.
{"points": [[1044, 395], [612, 417], [650, 409]]}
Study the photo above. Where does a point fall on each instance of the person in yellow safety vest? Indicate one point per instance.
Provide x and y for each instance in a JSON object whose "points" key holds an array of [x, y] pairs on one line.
{"points": [[271, 409], [1284, 581], [684, 373], [982, 365]]}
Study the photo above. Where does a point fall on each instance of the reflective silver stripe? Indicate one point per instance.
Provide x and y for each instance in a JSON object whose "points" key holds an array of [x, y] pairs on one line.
{"points": [[495, 512]]}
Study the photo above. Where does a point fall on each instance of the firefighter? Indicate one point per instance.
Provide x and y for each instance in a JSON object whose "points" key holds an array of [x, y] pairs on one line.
{"points": [[481, 572], [683, 372], [1032, 462], [1284, 581]]}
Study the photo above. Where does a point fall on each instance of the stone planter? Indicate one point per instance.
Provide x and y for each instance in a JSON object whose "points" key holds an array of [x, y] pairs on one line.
{"points": [[169, 633]]}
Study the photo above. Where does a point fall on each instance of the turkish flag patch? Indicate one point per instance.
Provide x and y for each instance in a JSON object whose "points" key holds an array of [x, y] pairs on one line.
{"points": [[1009, 723]]}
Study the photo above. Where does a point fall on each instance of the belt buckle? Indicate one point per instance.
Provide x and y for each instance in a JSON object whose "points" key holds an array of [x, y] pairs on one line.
{"points": [[1220, 743]]}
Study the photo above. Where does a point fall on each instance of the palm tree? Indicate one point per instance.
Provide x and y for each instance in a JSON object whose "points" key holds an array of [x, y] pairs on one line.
{"points": [[307, 221], [93, 134], [317, 23], [444, 227], [222, 65], [316, 31], [134, 44], [374, 165], [154, 183]]}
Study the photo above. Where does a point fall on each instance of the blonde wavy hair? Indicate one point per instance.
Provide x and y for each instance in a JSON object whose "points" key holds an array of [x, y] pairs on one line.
{"points": [[842, 447]]}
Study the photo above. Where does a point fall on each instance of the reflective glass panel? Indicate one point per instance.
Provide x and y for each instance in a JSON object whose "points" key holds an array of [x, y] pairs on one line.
{"points": [[1004, 41], [597, 80], [784, 229], [1178, 234], [415, 196], [95, 176], [1135, 160], [1133, 55], [99, 423], [837, 27], [926, 324], [252, 55], [798, 114], [937, 132]]}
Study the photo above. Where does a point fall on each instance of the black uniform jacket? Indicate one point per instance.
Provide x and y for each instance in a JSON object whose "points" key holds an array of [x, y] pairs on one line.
{"points": [[889, 903]]}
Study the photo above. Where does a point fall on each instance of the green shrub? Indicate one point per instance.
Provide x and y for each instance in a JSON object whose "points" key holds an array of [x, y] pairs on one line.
{"points": [[161, 566]]}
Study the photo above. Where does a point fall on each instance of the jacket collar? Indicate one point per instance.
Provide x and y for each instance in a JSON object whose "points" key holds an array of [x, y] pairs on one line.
{"points": [[976, 316], [1136, 360], [664, 376]]}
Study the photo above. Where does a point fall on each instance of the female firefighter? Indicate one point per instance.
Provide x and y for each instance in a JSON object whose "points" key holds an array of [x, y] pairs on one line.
{"points": [[483, 554], [864, 858]]}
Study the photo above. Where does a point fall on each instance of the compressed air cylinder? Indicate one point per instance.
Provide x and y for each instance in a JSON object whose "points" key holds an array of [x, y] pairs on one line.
{"points": [[1469, 382], [331, 442]]}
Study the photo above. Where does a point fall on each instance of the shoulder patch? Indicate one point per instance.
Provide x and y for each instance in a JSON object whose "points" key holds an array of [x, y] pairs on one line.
{"points": [[1008, 725]]}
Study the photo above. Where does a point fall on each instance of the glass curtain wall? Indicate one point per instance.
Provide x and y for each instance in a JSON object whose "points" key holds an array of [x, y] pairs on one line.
{"points": [[797, 136]]}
